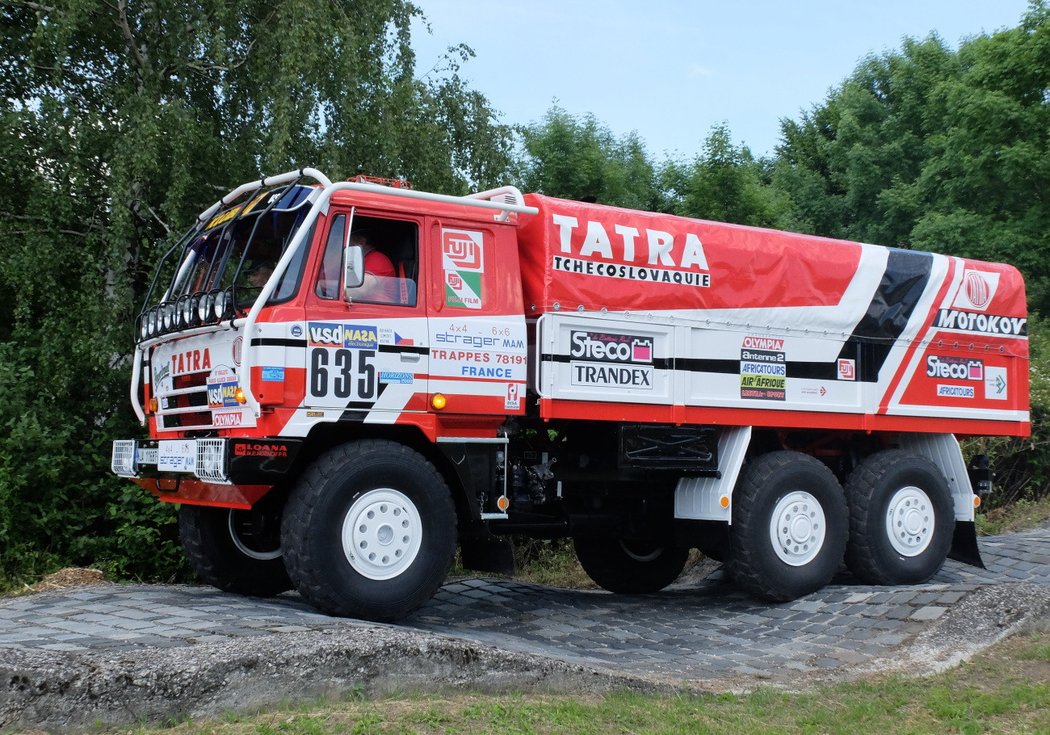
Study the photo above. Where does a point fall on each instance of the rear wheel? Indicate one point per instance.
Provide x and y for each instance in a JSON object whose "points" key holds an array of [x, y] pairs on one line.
{"points": [[369, 531], [789, 526], [629, 567], [235, 550], [901, 519]]}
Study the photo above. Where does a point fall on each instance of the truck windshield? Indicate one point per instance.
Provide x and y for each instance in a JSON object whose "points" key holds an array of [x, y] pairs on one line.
{"points": [[218, 270], [241, 247]]}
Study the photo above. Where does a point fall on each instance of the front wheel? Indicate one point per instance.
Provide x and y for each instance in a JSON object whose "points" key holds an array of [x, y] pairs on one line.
{"points": [[901, 519], [235, 550], [789, 526], [629, 567], [369, 531]]}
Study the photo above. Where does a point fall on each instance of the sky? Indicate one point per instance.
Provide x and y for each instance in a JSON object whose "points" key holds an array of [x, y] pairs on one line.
{"points": [[671, 69]]}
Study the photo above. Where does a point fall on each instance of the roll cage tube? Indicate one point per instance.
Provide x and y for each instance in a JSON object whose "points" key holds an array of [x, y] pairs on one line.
{"points": [[189, 263]]}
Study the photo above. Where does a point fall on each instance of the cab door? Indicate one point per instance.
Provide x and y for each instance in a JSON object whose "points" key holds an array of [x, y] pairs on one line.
{"points": [[478, 342], [368, 355]]}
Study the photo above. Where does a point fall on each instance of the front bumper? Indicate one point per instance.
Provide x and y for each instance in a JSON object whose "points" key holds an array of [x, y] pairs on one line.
{"points": [[261, 461]]}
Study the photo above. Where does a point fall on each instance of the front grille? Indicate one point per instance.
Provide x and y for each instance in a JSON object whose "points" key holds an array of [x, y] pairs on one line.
{"points": [[186, 405]]}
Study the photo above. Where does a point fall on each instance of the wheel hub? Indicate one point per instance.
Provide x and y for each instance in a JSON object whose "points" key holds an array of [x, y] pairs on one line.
{"points": [[910, 521], [253, 535], [382, 534], [796, 528]]}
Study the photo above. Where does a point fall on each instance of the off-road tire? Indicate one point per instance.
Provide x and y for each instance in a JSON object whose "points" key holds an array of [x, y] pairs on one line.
{"points": [[398, 486], [245, 565], [767, 490], [871, 554], [629, 567]]}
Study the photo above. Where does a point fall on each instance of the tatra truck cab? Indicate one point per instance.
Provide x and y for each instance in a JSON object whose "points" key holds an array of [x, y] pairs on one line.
{"points": [[343, 382]]}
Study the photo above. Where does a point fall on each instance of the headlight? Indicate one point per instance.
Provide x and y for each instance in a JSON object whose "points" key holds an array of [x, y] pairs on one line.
{"points": [[169, 315], [204, 307], [221, 301], [143, 325], [186, 311], [154, 321]]}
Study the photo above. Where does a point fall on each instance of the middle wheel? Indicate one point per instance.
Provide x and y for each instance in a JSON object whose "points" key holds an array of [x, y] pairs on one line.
{"points": [[790, 524], [629, 567]]}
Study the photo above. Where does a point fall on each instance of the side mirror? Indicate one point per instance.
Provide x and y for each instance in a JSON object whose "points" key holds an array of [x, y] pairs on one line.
{"points": [[353, 269]]}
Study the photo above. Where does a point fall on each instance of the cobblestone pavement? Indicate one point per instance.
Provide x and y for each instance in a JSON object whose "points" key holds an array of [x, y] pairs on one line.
{"points": [[707, 631]]}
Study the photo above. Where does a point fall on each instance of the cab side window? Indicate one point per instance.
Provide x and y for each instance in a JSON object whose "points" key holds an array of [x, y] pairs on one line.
{"points": [[330, 276], [391, 260]]}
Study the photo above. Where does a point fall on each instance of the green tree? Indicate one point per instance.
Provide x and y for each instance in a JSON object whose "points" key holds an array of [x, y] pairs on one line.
{"points": [[935, 149], [724, 183], [579, 158], [118, 123]]}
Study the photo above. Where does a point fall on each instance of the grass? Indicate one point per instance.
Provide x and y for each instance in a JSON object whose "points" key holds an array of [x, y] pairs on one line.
{"points": [[1003, 690], [1019, 516]]}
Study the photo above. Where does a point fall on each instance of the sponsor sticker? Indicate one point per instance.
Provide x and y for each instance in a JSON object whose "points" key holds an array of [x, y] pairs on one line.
{"points": [[222, 388], [512, 400], [976, 290], [296, 330], [763, 369], [260, 449], [463, 263], [147, 455], [967, 321], [847, 369], [605, 347], [956, 368], [954, 391], [228, 418], [273, 374], [399, 378], [330, 334], [161, 373], [637, 377], [996, 387]]}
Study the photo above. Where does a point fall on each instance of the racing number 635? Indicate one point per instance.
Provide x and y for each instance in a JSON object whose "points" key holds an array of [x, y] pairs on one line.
{"points": [[342, 373]]}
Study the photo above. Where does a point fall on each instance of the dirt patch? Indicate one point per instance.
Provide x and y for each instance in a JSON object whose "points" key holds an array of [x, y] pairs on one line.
{"points": [[65, 578]]}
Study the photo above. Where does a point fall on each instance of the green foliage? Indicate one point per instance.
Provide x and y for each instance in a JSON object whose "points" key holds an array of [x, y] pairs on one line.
{"points": [[935, 149], [581, 159], [1022, 465], [724, 183], [118, 123]]}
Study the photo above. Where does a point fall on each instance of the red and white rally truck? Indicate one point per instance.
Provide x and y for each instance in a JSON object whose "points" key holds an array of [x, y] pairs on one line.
{"points": [[642, 383]]}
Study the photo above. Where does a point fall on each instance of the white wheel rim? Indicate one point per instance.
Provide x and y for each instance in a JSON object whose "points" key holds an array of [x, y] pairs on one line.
{"points": [[909, 521], [797, 528], [382, 534], [244, 549]]}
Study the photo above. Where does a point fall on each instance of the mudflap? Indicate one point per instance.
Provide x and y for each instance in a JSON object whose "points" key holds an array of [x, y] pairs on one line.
{"points": [[964, 544], [492, 554]]}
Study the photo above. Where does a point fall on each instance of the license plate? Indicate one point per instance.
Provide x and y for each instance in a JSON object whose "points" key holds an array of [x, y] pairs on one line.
{"points": [[177, 455]]}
